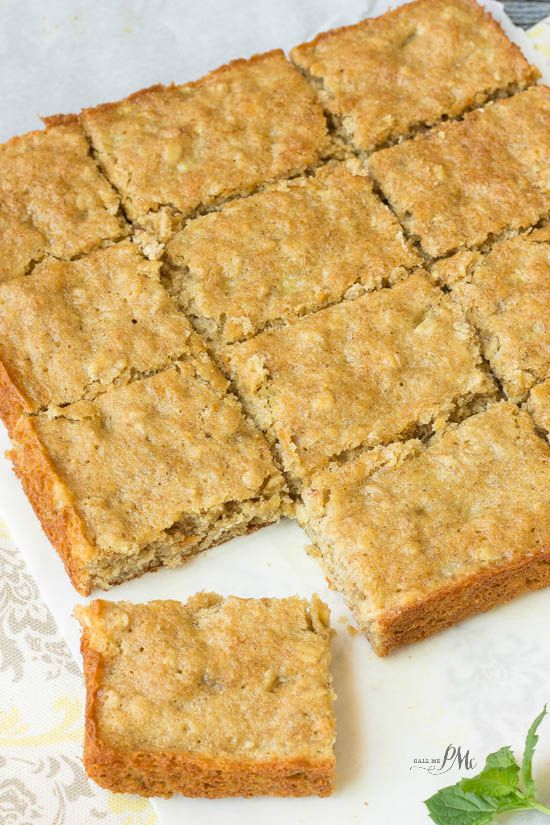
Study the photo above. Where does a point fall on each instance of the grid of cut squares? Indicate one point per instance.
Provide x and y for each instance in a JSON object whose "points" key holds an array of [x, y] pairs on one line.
{"points": [[73, 329], [285, 252], [146, 475], [467, 181], [234, 695], [385, 77], [420, 536], [171, 150], [148, 469], [506, 296], [359, 373], [53, 199]]}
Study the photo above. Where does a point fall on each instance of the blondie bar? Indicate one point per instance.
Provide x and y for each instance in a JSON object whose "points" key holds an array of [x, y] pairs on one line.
{"points": [[216, 697], [418, 537], [146, 475]]}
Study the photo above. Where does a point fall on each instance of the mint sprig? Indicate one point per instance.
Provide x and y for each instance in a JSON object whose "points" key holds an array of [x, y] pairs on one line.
{"points": [[501, 787]]}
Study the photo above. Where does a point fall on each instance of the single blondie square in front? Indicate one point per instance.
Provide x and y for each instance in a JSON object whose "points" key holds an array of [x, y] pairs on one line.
{"points": [[506, 296], [286, 251], [53, 199], [418, 537], [212, 698], [75, 328], [171, 150], [387, 76], [465, 182], [146, 475], [384, 366]]}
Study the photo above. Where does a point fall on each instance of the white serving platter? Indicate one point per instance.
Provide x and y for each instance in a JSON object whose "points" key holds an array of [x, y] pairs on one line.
{"points": [[477, 685]]}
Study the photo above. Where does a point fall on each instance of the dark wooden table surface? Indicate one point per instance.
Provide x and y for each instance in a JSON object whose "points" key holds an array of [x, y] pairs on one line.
{"points": [[526, 13]]}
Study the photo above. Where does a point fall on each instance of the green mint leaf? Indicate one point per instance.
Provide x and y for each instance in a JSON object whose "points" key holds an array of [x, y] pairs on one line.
{"points": [[527, 763], [501, 758], [498, 779], [454, 806]]}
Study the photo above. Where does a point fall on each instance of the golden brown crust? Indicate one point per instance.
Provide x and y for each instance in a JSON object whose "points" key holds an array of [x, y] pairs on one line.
{"points": [[51, 502], [450, 605], [170, 770], [12, 402], [59, 119]]}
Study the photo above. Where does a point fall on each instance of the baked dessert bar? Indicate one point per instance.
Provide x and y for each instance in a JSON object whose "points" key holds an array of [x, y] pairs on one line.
{"points": [[146, 475], [284, 252], [53, 199], [538, 404], [75, 328], [384, 366], [172, 150], [387, 76], [506, 296], [465, 182], [212, 698], [418, 537]]}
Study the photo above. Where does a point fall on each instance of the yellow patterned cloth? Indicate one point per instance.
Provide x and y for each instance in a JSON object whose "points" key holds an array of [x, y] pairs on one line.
{"points": [[41, 700]]}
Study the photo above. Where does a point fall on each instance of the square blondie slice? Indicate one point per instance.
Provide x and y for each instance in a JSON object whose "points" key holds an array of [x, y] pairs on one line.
{"points": [[284, 252], [538, 404], [212, 698], [385, 77], [465, 182], [53, 199], [418, 537], [364, 372], [75, 328], [172, 150], [146, 475], [506, 296]]}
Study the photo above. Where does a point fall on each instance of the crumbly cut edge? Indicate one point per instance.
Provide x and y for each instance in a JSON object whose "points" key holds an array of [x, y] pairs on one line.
{"points": [[163, 773], [446, 606], [54, 506]]}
